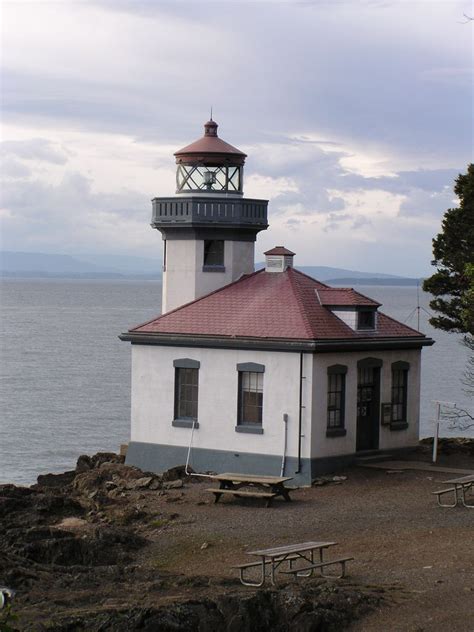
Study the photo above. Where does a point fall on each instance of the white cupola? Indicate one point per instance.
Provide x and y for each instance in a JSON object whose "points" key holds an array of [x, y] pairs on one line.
{"points": [[278, 259]]}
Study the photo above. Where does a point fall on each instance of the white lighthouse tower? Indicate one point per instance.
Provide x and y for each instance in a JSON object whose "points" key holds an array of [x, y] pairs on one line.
{"points": [[209, 229]]}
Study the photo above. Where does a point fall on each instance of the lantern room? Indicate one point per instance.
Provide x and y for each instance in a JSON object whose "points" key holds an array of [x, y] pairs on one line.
{"points": [[210, 166]]}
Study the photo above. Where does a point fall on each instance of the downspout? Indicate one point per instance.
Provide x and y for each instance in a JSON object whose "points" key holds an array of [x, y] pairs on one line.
{"points": [[283, 458], [300, 414]]}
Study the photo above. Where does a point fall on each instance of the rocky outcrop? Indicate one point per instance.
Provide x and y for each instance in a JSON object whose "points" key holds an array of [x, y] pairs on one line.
{"points": [[78, 543], [448, 445], [318, 608]]}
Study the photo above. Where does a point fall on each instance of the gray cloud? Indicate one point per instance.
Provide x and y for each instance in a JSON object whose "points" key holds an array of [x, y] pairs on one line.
{"points": [[10, 167], [34, 149], [288, 80], [69, 216], [335, 69]]}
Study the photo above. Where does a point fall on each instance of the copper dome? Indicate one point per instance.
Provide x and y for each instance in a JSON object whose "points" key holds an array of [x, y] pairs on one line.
{"points": [[210, 149]]}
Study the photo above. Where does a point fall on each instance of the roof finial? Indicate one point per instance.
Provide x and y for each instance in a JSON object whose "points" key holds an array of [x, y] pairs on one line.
{"points": [[211, 114]]}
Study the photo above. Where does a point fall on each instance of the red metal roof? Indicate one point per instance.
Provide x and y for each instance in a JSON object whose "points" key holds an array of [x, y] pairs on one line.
{"points": [[279, 250], [268, 305], [210, 143], [345, 297]]}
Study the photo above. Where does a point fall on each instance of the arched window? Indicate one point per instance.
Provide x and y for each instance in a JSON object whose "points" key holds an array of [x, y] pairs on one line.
{"points": [[250, 397], [186, 389], [399, 418], [336, 396]]}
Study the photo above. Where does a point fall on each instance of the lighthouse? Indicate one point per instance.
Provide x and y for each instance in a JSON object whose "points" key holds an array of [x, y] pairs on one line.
{"points": [[261, 373], [208, 228]]}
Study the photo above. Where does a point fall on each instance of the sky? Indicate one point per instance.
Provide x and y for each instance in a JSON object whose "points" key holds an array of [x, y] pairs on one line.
{"points": [[356, 116]]}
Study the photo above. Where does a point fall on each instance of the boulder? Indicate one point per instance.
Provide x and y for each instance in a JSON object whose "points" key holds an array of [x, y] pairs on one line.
{"points": [[56, 480]]}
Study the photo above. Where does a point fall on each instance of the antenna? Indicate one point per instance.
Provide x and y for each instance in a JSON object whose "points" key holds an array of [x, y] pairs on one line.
{"points": [[418, 309], [418, 305]]}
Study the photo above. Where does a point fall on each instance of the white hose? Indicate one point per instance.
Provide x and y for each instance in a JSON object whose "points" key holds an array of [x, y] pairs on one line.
{"points": [[188, 456]]}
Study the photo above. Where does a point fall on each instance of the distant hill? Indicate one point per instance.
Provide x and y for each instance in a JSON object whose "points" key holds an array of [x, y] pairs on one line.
{"points": [[341, 276], [41, 265], [374, 281], [38, 265], [324, 273]]}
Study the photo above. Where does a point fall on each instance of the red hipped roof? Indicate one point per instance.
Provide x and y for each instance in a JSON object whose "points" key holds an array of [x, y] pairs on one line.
{"points": [[270, 305], [345, 297], [279, 250]]}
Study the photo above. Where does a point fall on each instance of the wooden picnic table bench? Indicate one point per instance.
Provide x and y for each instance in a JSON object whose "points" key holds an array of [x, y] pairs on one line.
{"points": [[459, 487], [271, 559], [267, 487]]}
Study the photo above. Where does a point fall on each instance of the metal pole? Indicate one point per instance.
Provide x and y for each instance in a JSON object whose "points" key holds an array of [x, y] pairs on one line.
{"points": [[300, 413], [438, 420], [436, 435], [285, 421]]}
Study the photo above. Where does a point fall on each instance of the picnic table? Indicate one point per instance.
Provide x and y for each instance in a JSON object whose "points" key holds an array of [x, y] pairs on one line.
{"points": [[267, 487], [459, 488], [291, 556]]}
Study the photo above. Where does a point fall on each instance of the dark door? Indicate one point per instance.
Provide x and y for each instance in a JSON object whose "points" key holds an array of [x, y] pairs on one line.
{"points": [[368, 387]]}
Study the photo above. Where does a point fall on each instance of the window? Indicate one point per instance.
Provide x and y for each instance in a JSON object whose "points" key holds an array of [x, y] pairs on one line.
{"points": [[399, 394], [250, 398], [213, 253], [336, 400], [366, 319], [186, 393]]}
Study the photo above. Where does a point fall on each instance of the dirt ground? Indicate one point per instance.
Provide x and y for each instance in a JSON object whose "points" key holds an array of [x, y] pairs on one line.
{"points": [[390, 524], [419, 555]]}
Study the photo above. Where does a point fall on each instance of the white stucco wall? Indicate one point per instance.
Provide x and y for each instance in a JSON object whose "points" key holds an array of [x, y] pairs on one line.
{"points": [[349, 316], [388, 439], [184, 279], [153, 378], [179, 276]]}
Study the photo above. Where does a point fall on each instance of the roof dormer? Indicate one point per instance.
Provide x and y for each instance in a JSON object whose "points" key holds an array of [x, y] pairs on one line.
{"points": [[356, 310], [278, 259]]}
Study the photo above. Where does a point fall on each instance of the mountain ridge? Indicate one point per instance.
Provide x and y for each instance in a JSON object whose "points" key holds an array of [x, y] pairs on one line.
{"points": [[15, 264]]}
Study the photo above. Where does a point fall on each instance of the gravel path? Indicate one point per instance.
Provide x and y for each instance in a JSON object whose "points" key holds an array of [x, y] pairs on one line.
{"points": [[389, 522]]}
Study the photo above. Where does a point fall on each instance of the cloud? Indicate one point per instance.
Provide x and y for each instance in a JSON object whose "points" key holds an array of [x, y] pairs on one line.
{"points": [[356, 117], [70, 217], [10, 167], [34, 149], [461, 75]]}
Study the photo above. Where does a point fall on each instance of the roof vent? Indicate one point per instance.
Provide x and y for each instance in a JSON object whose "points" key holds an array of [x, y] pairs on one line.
{"points": [[278, 259]]}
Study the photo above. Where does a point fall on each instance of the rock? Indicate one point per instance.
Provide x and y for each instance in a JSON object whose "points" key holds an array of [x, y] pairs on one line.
{"points": [[175, 473], [174, 499], [324, 480], [316, 608], [173, 484], [73, 524], [139, 483], [204, 545], [83, 464], [56, 480], [106, 547], [155, 484]]}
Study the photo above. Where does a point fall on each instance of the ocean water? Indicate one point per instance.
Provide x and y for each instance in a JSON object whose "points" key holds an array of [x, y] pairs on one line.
{"points": [[65, 375]]}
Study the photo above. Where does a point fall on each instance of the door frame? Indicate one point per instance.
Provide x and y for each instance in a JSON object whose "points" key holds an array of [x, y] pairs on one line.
{"points": [[375, 364]]}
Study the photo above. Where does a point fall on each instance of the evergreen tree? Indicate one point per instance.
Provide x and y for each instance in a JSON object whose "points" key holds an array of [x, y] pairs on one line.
{"points": [[453, 251], [467, 313]]}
